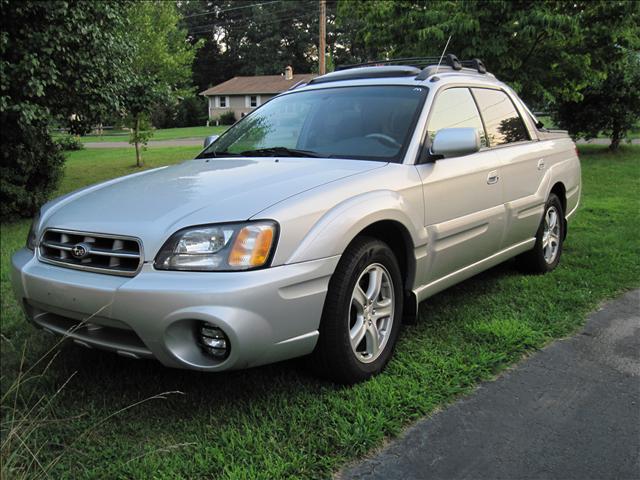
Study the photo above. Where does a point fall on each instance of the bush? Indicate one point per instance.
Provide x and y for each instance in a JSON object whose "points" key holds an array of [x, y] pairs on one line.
{"points": [[31, 167], [190, 112], [68, 143], [227, 118]]}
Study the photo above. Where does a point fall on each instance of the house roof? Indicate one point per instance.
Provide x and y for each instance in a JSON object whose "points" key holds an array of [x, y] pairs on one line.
{"points": [[256, 85]]}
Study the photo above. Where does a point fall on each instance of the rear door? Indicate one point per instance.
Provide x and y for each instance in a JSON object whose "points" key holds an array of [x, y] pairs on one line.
{"points": [[522, 163], [462, 195]]}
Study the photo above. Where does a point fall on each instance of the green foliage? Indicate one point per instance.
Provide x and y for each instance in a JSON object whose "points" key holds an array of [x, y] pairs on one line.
{"points": [[68, 143], [262, 38], [227, 118], [31, 167], [161, 63], [142, 130], [58, 59], [548, 51], [188, 112], [611, 105]]}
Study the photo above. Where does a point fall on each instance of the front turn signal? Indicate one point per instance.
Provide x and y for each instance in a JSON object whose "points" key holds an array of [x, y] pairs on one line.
{"points": [[252, 246]]}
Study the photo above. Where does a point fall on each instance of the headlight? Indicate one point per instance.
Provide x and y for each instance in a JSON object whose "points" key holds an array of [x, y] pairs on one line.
{"points": [[32, 237], [238, 246]]}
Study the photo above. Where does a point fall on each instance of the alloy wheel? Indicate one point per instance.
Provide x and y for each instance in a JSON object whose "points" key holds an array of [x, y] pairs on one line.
{"points": [[551, 235], [371, 313]]}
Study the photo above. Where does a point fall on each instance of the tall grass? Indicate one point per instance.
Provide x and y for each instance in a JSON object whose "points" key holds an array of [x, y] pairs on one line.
{"points": [[28, 412]]}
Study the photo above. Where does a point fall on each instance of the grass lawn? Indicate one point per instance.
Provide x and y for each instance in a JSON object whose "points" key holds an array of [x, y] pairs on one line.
{"points": [[278, 421], [550, 124], [160, 134]]}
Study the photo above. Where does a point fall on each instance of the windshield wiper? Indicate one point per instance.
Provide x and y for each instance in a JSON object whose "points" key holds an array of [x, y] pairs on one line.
{"points": [[281, 152], [214, 154]]}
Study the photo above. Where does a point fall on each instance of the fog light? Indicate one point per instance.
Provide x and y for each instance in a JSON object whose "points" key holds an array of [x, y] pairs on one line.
{"points": [[214, 341]]}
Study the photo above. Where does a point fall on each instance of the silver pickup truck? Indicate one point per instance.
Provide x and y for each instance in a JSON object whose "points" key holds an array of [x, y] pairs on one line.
{"points": [[311, 227]]}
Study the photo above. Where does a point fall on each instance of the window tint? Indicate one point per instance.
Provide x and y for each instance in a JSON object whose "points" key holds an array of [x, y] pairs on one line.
{"points": [[501, 119], [455, 108]]}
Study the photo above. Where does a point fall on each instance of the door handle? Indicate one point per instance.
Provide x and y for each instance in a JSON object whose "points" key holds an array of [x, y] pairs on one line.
{"points": [[541, 164], [493, 177]]}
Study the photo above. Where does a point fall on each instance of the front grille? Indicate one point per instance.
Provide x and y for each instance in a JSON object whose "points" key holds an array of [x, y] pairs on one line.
{"points": [[95, 252]]}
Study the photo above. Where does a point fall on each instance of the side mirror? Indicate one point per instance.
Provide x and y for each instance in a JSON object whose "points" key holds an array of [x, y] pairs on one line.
{"points": [[455, 142], [210, 139]]}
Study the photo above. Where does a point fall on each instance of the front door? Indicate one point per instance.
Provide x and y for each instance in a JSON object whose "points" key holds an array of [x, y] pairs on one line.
{"points": [[464, 210]]}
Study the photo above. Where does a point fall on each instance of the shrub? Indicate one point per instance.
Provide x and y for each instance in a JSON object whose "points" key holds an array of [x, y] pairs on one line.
{"points": [[31, 167], [189, 112], [192, 112], [227, 118], [68, 143]]}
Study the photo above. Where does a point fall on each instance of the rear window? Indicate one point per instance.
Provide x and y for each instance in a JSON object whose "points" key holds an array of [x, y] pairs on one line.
{"points": [[501, 119]]}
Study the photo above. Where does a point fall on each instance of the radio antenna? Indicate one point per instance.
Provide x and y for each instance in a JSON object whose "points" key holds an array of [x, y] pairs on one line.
{"points": [[443, 52]]}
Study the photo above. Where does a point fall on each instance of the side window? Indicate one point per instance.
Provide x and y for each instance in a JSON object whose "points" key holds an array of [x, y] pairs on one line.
{"points": [[500, 116], [455, 108]]}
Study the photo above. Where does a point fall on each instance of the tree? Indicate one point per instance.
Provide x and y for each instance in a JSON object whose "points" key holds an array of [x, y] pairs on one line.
{"points": [[58, 59], [610, 106], [609, 103], [527, 44], [542, 49], [161, 65], [254, 38]]}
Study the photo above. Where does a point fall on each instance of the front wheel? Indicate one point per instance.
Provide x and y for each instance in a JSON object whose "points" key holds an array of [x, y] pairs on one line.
{"points": [[546, 252], [362, 314]]}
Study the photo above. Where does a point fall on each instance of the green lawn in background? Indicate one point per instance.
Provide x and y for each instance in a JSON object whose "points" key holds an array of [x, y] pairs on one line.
{"points": [[278, 421], [550, 124], [160, 134]]}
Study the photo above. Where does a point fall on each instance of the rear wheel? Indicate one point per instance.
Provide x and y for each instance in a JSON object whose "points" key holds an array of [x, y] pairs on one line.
{"points": [[362, 313], [545, 254]]}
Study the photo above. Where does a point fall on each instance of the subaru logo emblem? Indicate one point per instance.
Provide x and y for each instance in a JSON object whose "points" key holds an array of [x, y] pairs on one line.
{"points": [[80, 250]]}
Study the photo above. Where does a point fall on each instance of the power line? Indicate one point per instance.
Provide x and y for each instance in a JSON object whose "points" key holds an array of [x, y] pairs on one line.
{"points": [[230, 9], [249, 23], [221, 22]]}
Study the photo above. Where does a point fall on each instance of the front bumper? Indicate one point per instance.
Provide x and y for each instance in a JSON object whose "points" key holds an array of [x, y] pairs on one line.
{"points": [[268, 315]]}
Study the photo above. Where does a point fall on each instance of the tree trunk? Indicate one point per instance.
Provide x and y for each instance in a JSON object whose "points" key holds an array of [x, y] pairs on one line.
{"points": [[616, 136], [136, 133], [615, 143]]}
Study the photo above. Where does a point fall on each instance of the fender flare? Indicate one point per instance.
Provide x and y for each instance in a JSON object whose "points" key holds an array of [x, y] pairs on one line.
{"points": [[351, 217]]}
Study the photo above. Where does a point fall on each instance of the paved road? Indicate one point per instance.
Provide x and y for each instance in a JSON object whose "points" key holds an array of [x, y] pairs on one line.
{"points": [[572, 411], [197, 142], [179, 142]]}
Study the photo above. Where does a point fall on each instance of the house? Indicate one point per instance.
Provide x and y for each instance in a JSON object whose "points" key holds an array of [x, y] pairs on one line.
{"points": [[240, 95]]}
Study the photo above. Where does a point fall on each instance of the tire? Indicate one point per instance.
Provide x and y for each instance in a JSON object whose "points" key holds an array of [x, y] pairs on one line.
{"points": [[349, 312], [545, 254]]}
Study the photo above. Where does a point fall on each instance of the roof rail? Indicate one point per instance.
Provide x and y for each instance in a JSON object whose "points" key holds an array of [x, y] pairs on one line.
{"points": [[449, 60], [420, 67], [410, 61], [382, 71], [301, 83]]}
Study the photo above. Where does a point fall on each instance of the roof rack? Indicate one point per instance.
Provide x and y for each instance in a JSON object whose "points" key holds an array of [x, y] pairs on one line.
{"points": [[382, 71], [420, 67]]}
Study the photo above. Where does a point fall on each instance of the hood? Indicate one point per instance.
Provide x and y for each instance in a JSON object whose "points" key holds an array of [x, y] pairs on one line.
{"points": [[154, 204]]}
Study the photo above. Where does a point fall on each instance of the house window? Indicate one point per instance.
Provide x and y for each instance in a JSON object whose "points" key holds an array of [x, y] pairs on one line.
{"points": [[252, 101], [223, 102]]}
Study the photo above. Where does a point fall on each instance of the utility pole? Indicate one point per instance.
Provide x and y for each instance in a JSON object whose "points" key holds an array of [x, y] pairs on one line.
{"points": [[322, 48]]}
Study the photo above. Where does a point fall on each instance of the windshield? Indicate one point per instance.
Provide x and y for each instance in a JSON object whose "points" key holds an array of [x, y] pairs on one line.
{"points": [[365, 122]]}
